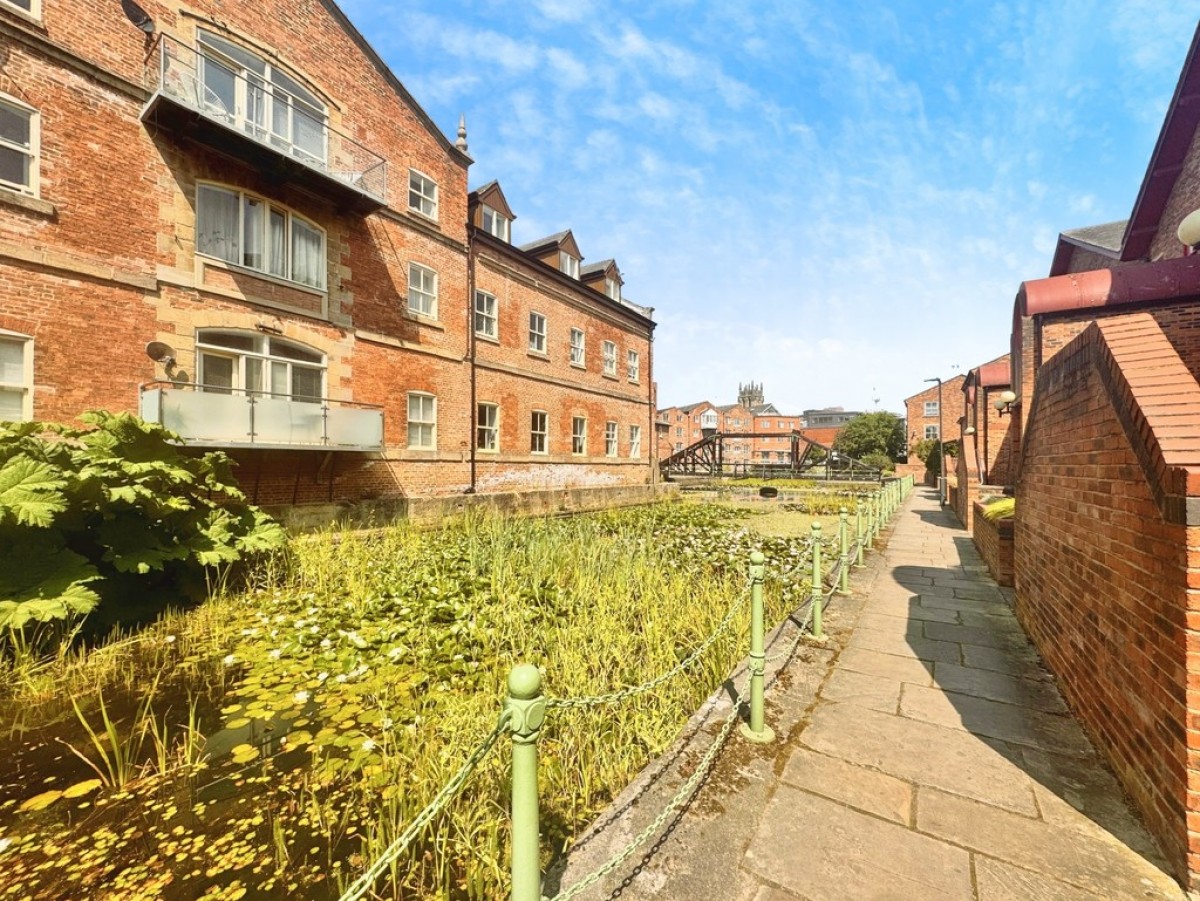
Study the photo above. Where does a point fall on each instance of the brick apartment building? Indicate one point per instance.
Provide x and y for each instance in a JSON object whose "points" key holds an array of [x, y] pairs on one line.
{"points": [[234, 219], [684, 425], [921, 411]]}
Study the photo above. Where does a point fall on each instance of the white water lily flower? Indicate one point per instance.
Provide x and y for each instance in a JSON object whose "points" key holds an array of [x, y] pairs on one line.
{"points": [[275, 654], [321, 677], [229, 660], [341, 677], [301, 697], [4, 844], [368, 744], [169, 639], [386, 723]]}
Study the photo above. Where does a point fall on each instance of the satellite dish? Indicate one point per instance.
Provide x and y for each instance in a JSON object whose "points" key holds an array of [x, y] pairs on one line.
{"points": [[161, 353], [137, 16]]}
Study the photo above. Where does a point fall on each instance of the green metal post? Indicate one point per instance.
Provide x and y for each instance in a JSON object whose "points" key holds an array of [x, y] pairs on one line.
{"points": [[818, 594], [844, 535], [526, 712], [757, 731], [858, 529]]}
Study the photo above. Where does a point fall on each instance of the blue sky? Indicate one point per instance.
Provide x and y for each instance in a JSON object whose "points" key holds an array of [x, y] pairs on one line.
{"points": [[837, 200]]}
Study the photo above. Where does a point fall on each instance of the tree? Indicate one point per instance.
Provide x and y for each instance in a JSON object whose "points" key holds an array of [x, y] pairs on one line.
{"points": [[872, 433]]}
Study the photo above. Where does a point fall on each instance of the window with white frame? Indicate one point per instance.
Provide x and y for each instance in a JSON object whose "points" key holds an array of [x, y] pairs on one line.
{"points": [[248, 231], [495, 223], [422, 421], [635, 441], [579, 434], [422, 290], [608, 353], [422, 194], [33, 7], [931, 432], [234, 362], [19, 144], [539, 426], [577, 356], [612, 288], [610, 439], [568, 264], [16, 377], [678, 446], [537, 333], [487, 427], [633, 366], [485, 314], [253, 95], [931, 408]]}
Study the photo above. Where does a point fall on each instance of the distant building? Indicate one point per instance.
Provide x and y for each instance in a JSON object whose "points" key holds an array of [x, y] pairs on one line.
{"points": [[830, 416], [924, 417]]}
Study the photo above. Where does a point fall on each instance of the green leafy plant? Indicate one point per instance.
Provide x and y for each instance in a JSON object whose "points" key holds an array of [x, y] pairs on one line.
{"points": [[872, 433], [92, 513], [1001, 508]]}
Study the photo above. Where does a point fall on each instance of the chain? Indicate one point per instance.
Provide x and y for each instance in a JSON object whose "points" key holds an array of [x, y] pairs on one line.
{"points": [[685, 792], [634, 690], [364, 883]]}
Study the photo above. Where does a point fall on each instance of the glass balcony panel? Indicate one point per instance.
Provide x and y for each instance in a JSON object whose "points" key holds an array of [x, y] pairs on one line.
{"points": [[282, 421], [355, 427]]}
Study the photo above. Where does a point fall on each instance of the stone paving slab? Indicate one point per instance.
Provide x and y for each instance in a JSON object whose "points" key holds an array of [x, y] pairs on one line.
{"points": [[996, 719], [888, 666], [870, 691], [826, 852], [1089, 860], [865, 790], [902, 646], [1037, 694], [999, 881]]}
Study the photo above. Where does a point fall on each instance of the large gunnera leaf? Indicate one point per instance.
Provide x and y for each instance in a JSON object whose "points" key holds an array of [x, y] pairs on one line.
{"points": [[43, 581], [30, 492]]}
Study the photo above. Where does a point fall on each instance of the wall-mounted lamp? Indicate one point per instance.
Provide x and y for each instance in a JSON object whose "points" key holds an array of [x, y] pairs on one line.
{"points": [[1189, 229], [969, 430], [1004, 402]]}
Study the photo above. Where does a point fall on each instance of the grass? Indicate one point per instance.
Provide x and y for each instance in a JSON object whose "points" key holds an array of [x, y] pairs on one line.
{"points": [[352, 679]]}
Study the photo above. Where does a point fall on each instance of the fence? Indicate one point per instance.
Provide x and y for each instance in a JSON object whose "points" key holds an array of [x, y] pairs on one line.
{"points": [[525, 709]]}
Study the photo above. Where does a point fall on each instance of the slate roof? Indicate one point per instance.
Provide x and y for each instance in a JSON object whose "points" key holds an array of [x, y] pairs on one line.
{"points": [[1107, 236]]}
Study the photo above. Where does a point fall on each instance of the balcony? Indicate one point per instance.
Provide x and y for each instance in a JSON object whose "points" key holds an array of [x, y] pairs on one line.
{"points": [[283, 137], [211, 417]]}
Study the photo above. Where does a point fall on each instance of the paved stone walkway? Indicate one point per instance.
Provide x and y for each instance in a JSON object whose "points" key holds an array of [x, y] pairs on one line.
{"points": [[924, 754]]}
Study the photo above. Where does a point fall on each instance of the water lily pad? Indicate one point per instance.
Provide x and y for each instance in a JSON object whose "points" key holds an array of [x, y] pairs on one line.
{"points": [[79, 789], [244, 753], [42, 801]]}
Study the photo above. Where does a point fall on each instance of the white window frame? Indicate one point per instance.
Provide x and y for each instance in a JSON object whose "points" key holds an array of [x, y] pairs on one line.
{"points": [[423, 425], [267, 362], [635, 442], [486, 319], [34, 12], [931, 432], [633, 366], [487, 427], [25, 386], [578, 348], [608, 353], [495, 223], [421, 299], [568, 264], [422, 194], [537, 332], [539, 438], [612, 289], [291, 221], [931, 408], [32, 151], [611, 438], [579, 436]]}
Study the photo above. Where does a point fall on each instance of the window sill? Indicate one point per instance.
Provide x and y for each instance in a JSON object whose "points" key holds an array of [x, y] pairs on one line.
{"points": [[23, 15], [424, 217], [484, 450], [578, 366], [423, 319], [541, 355], [635, 381], [421, 450], [218, 263], [611, 376], [490, 339], [26, 202]]}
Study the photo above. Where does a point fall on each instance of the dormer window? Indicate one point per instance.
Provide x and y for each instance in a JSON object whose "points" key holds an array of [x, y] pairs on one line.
{"points": [[612, 288], [255, 96], [568, 264], [495, 223]]}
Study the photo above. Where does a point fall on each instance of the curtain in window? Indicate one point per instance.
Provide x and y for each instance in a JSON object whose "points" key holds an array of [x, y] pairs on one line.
{"points": [[252, 234], [217, 215], [307, 263], [277, 244]]}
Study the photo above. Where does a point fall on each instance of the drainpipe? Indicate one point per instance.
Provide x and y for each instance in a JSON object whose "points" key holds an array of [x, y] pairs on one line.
{"points": [[652, 435], [471, 350]]}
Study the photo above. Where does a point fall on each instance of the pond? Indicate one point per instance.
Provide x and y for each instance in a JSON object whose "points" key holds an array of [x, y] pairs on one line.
{"points": [[272, 742]]}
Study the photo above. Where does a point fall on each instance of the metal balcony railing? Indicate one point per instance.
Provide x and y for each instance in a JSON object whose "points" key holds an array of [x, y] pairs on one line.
{"points": [[232, 417], [259, 121]]}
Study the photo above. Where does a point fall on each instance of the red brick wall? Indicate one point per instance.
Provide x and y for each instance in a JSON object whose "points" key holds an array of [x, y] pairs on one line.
{"points": [[953, 409], [1102, 582], [995, 543]]}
